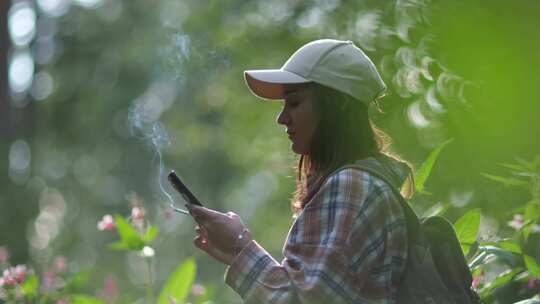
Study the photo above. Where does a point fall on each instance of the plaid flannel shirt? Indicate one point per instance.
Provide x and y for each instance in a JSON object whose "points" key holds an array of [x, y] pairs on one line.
{"points": [[348, 245]]}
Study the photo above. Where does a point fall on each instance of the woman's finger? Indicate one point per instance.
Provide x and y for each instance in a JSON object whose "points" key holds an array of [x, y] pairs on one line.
{"points": [[212, 251], [201, 243], [202, 213], [201, 231]]}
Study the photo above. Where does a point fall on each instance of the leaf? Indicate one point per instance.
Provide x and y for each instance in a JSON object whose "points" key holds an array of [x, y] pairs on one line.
{"points": [[532, 266], [509, 257], [467, 229], [79, 279], [500, 280], [422, 174], [533, 300], [30, 286], [536, 161], [84, 299], [508, 244], [526, 174], [128, 235], [179, 282], [436, 209], [514, 167], [151, 233], [118, 246], [532, 209], [510, 181], [531, 166]]}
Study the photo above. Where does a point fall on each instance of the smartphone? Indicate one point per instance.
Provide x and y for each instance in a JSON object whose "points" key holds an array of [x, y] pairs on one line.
{"points": [[183, 189]]}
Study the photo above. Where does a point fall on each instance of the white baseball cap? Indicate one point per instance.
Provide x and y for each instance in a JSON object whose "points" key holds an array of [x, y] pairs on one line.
{"points": [[333, 63]]}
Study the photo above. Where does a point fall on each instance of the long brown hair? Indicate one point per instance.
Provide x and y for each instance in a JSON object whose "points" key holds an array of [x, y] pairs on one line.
{"points": [[343, 135]]}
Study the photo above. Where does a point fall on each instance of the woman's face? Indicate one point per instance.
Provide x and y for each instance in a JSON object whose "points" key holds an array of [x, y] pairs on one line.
{"points": [[299, 116]]}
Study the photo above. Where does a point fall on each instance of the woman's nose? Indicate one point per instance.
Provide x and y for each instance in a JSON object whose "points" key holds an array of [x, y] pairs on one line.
{"points": [[283, 118]]}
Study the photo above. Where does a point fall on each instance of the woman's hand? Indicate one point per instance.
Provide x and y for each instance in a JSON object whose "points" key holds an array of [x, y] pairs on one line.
{"points": [[218, 233]]}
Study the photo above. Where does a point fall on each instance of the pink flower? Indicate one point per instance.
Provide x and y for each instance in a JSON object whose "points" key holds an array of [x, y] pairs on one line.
{"points": [[48, 281], [110, 292], [60, 264], [61, 301], [137, 217], [137, 213], [4, 254], [14, 275], [19, 272], [197, 290], [107, 223], [477, 279], [7, 278], [517, 222]]}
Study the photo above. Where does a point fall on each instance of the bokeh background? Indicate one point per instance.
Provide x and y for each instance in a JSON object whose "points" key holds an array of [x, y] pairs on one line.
{"points": [[100, 98]]}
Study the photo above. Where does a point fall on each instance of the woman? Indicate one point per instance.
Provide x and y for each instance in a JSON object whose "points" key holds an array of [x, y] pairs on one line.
{"points": [[348, 243]]}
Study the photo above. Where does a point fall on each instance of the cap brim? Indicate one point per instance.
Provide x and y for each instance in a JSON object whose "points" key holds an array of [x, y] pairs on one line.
{"points": [[269, 84]]}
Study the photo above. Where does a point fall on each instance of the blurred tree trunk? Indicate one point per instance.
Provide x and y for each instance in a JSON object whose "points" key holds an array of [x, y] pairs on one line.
{"points": [[4, 95]]}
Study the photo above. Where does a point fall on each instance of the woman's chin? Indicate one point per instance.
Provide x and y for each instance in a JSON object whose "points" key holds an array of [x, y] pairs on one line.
{"points": [[294, 148], [297, 150]]}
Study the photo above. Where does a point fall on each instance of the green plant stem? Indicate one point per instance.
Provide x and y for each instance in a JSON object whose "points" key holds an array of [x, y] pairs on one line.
{"points": [[149, 285]]}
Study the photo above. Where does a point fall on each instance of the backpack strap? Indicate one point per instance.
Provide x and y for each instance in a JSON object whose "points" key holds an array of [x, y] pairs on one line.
{"points": [[412, 220]]}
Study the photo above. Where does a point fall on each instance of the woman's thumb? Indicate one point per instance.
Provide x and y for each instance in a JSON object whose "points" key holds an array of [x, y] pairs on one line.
{"points": [[195, 210]]}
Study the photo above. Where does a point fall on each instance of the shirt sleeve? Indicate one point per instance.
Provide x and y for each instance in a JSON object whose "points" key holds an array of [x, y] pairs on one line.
{"points": [[343, 248]]}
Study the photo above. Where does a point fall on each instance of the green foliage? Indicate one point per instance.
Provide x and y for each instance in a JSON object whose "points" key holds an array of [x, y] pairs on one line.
{"points": [[179, 282], [85, 299], [507, 256], [437, 209], [500, 280], [150, 234], [507, 244], [184, 60], [512, 254], [535, 300], [532, 266], [423, 172], [524, 174], [30, 286], [532, 212], [507, 181], [467, 229], [79, 279], [130, 239], [530, 166]]}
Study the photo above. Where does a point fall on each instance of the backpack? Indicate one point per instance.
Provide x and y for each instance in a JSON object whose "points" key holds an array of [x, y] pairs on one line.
{"points": [[436, 270]]}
